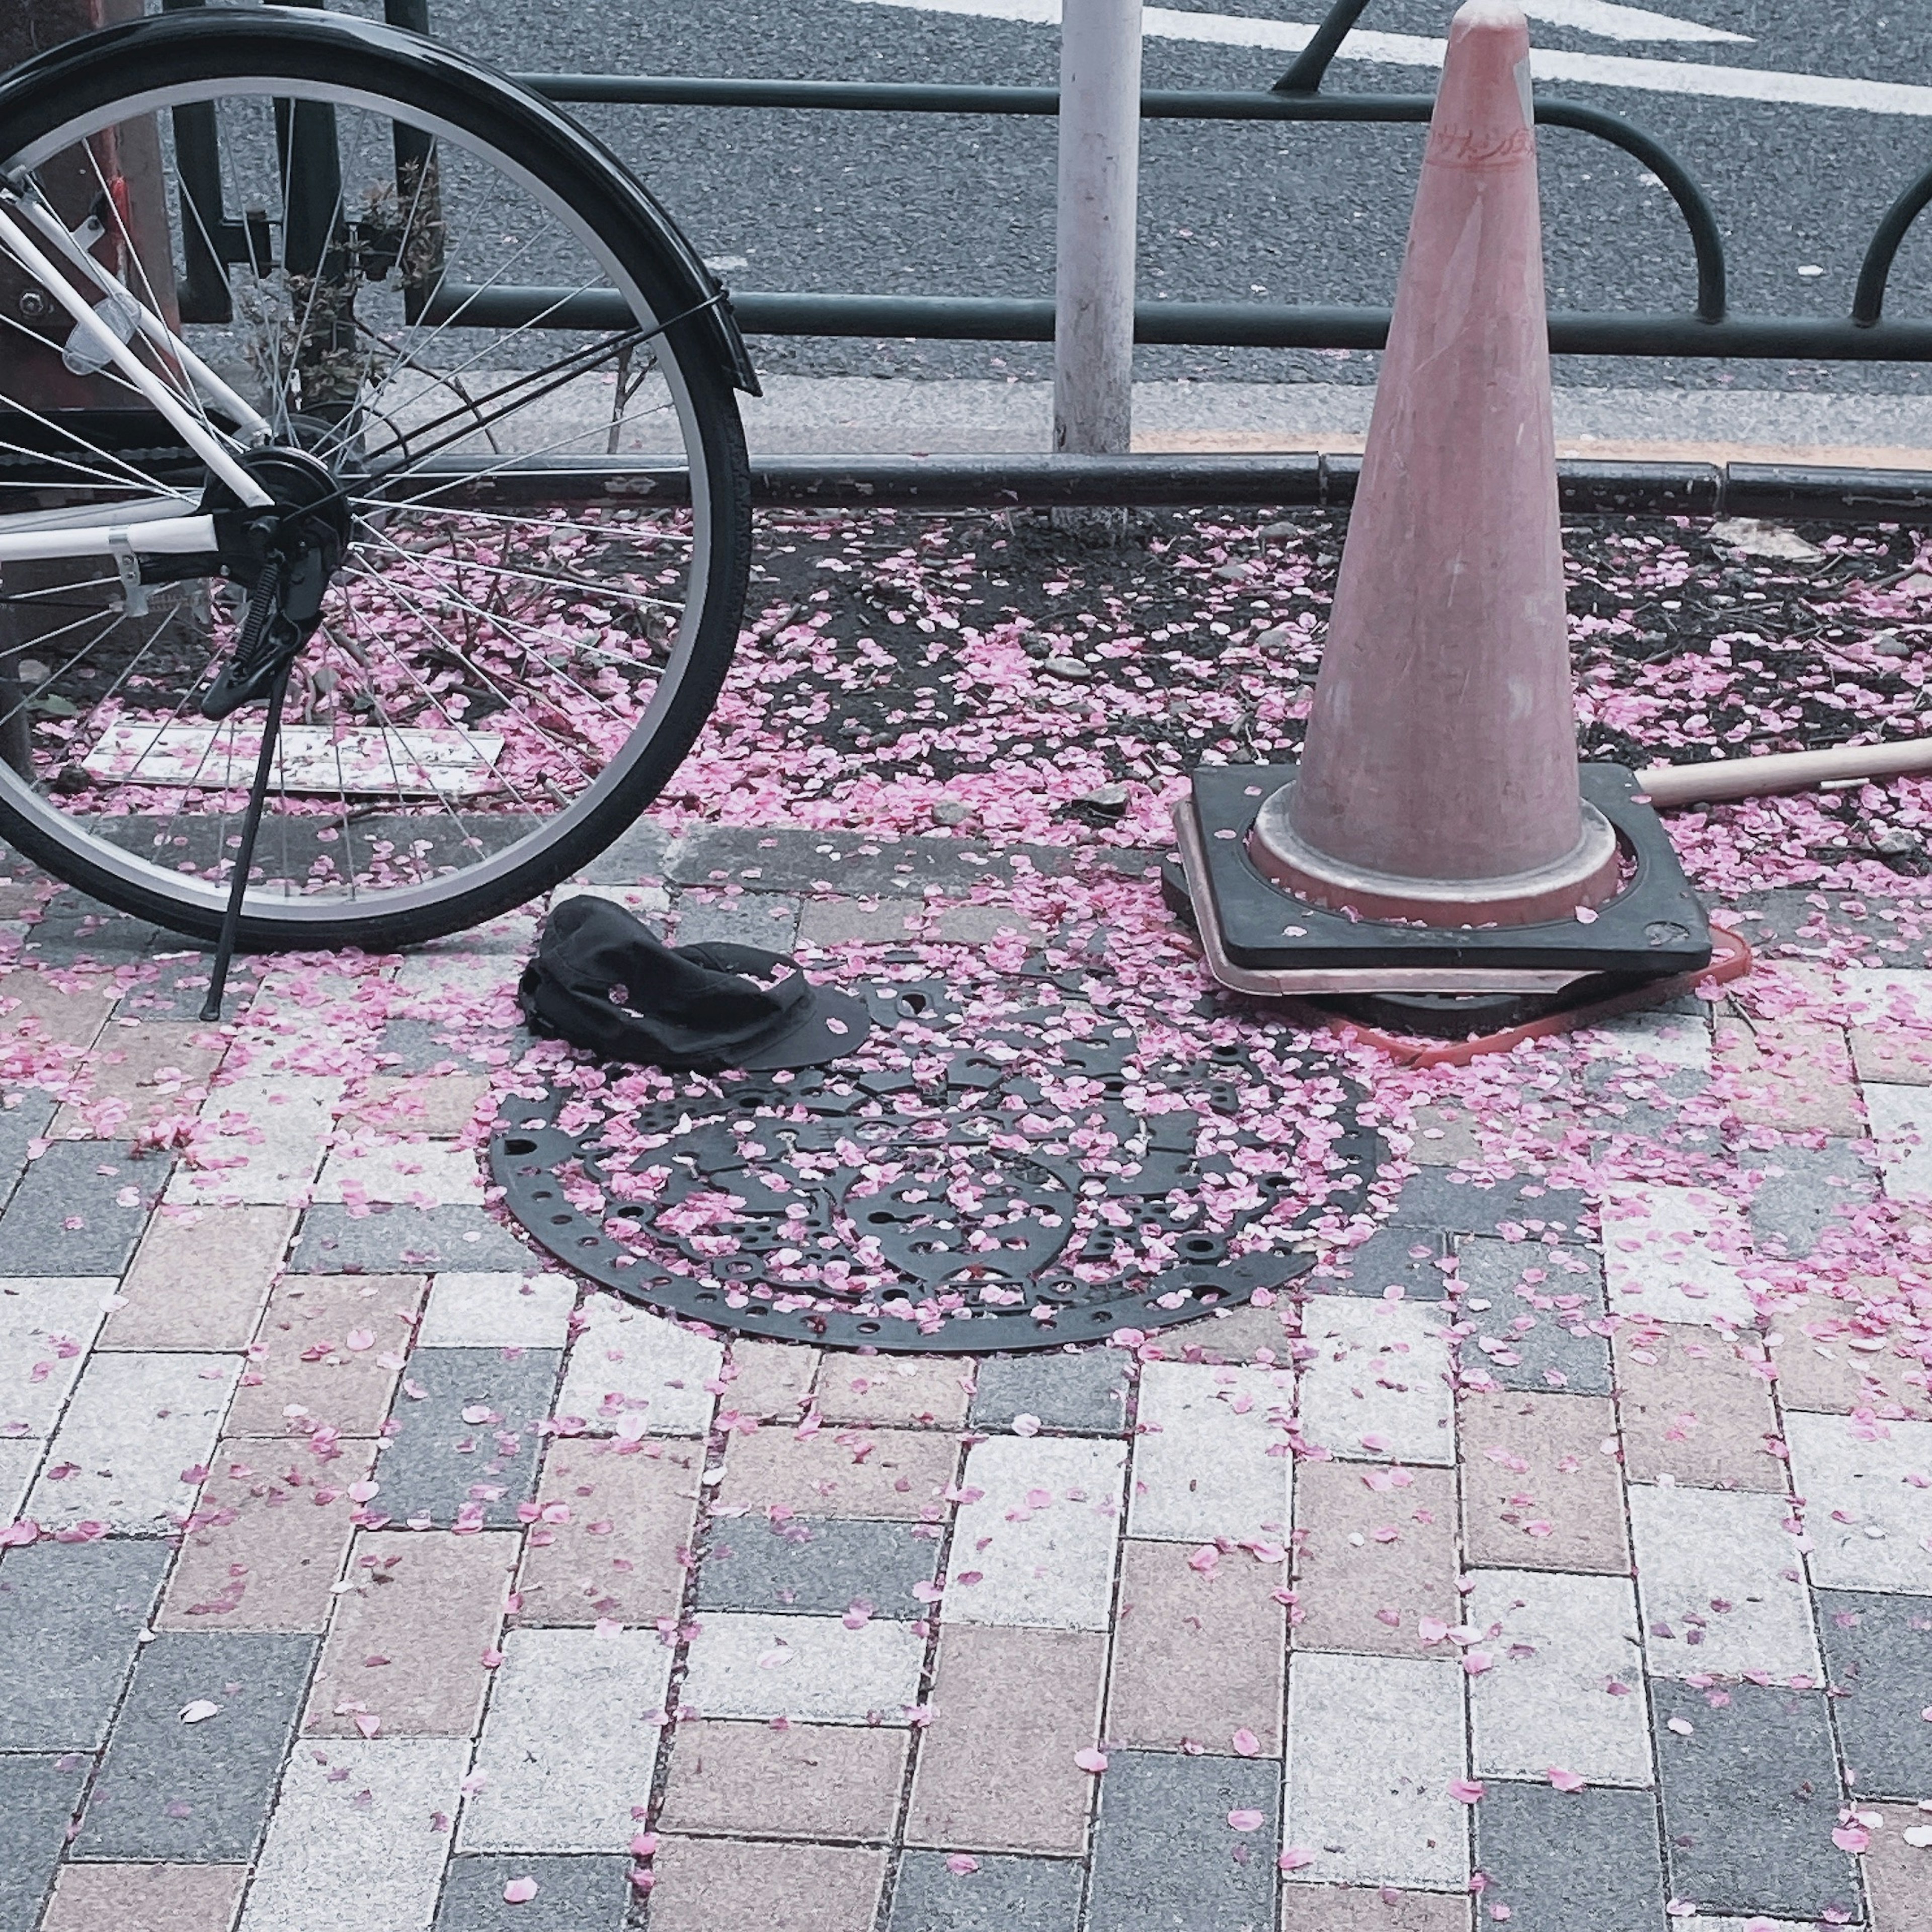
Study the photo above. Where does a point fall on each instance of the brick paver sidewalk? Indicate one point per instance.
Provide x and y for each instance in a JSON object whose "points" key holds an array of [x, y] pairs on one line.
{"points": [[1563, 1588]]}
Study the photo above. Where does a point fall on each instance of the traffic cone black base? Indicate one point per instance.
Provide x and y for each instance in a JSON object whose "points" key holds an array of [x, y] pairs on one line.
{"points": [[1261, 939]]}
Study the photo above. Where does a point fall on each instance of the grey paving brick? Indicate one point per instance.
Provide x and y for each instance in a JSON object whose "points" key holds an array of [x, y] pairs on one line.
{"points": [[765, 919], [1134, 861], [1386, 1260], [830, 922], [784, 859], [640, 852], [1083, 1394], [1788, 920], [1005, 1894], [1773, 1854], [574, 1894], [73, 929], [1557, 1341], [198, 1792], [1571, 1861], [70, 906], [25, 1117], [779, 858], [1165, 1859], [407, 1240], [19, 1459], [80, 915], [37, 1797], [290, 847], [1673, 1038], [419, 1046], [70, 1616], [174, 986], [66, 1184], [1630, 1100], [191, 839], [980, 925], [1445, 1198], [435, 1459], [1804, 1190], [817, 1567], [1878, 1648]]}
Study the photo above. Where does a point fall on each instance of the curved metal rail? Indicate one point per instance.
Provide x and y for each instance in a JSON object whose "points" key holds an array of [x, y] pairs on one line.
{"points": [[1700, 221], [1311, 68], [1875, 272]]}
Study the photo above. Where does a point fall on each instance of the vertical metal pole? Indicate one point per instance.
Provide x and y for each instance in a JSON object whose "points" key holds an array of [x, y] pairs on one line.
{"points": [[1099, 180]]}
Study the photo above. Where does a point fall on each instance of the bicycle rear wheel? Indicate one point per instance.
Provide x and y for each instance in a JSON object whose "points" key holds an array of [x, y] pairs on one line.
{"points": [[459, 304]]}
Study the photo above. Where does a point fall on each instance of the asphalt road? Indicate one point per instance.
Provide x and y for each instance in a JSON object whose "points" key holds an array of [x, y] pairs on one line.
{"points": [[933, 205]]}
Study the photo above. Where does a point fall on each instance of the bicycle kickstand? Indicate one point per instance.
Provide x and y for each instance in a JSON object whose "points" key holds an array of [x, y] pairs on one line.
{"points": [[231, 920]]}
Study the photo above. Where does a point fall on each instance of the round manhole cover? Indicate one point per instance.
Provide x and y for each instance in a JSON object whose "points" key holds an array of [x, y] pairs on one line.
{"points": [[994, 1171]]}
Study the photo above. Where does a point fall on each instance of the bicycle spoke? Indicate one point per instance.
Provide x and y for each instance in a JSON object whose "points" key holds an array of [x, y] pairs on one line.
{"points": [[458, 601], [346, 834], [408, 359], [74, 663], [128, 473], [590, 586], [40, 643], [566, 370], [529, 724], [470, 514], [52, 590], [134, 663], [391, 733], [469, 478]]}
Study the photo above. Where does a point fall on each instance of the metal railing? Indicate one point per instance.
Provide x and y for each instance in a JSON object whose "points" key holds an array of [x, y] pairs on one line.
{"points": [[1707, 329], [1815, 494]]}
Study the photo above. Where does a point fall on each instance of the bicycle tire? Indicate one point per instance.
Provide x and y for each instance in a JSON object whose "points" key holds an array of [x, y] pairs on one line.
{"points": [[145, 66]]}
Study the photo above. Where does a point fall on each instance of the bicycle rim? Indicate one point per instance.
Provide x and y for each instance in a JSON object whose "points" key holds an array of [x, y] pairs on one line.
{"points": [[508, 667]]}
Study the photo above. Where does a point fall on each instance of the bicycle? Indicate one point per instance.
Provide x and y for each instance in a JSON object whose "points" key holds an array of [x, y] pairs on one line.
{"points": [[302, 427]]}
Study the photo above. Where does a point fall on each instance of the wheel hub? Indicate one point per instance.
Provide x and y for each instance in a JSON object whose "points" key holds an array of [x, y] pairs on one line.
{"points": [[283, 555]]}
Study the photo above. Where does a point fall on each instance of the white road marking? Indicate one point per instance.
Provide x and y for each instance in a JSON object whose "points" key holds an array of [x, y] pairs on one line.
{"points": [[1624, 23], [1652, 76]]}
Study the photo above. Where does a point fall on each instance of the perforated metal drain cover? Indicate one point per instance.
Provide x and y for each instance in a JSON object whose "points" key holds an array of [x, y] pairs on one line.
{"points": [[988, 1175]]}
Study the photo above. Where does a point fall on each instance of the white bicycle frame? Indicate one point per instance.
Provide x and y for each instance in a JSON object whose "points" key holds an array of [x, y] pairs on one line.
{"points": [[158, 525]]}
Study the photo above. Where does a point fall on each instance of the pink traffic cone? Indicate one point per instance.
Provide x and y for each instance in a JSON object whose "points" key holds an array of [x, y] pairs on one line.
{"points": [[1439, 780]]}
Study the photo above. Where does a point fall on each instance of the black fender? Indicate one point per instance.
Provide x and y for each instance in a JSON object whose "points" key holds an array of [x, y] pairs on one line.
{"points": [[125, 62]]}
